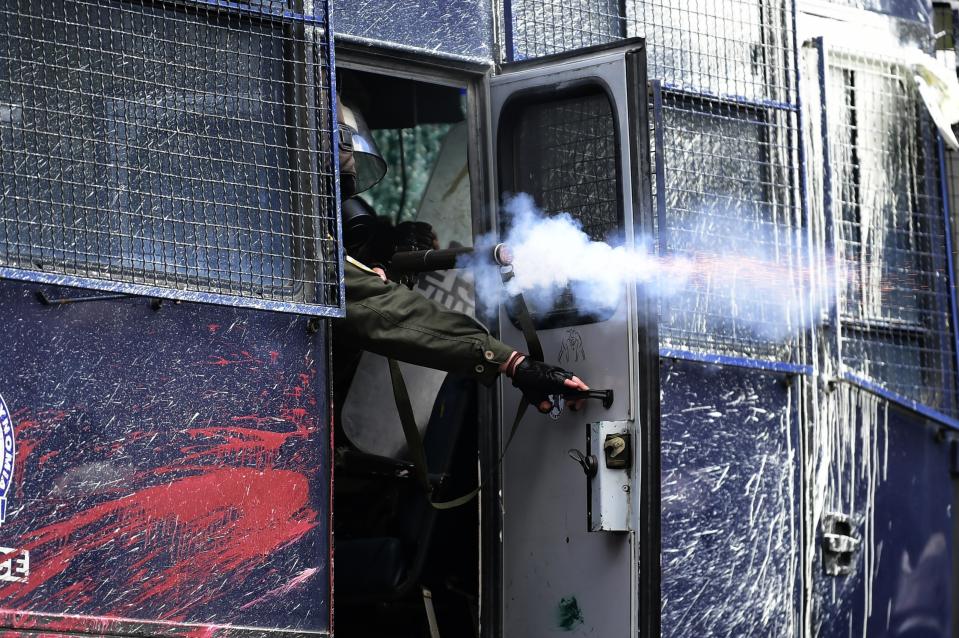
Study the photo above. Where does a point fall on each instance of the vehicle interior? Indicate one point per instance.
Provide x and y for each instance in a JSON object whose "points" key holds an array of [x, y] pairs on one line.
{"points": [[403, 568]]}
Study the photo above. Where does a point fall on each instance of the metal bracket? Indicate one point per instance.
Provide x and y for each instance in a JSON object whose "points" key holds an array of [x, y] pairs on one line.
{"points": [[47, 300], [607, 464], [839, 544]]}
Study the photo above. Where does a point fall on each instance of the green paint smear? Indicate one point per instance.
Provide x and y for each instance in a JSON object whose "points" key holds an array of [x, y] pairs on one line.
{"points": [[569, 614]]}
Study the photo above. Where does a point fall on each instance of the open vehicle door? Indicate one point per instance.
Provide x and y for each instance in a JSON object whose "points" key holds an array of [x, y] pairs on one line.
{"points": [[571, 132]]}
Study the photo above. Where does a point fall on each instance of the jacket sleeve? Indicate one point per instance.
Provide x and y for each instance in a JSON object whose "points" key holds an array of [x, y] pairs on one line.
{"points": [[393, 321]]}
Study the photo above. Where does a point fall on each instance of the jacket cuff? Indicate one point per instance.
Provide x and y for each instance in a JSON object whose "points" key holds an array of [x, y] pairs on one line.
{"points": [[489, 357]]}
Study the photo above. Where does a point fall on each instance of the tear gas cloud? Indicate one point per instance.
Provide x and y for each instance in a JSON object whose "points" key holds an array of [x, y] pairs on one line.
{"points": [[726, 276]]}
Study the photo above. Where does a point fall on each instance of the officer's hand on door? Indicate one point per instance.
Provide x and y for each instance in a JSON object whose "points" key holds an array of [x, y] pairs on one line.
{"points": [[537, 381]]}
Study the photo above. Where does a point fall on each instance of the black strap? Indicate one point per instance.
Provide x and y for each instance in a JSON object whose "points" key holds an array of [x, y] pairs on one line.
{"points": [[415, 442], [521, 313]]}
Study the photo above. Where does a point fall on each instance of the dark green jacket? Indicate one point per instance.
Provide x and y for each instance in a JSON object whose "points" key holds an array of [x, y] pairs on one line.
{"points": [[393, 321]]}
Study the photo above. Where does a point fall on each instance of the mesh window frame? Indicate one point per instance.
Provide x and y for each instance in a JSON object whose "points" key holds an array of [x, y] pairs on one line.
{"points": [[738, 56], [186, 151], [912, 357], [513, 159]]}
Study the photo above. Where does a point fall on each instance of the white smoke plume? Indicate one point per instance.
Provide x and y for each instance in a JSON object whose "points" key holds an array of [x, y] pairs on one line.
{"points": [[725, 278]]}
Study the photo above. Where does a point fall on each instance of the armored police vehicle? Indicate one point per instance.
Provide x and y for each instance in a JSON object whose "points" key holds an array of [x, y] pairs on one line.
{"points": [[777, 458]]}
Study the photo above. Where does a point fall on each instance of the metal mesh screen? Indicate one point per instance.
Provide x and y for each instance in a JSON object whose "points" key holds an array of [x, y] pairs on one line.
{"points": [[566, 159], [885, 204], [542, 27], [731, 47], [726, 133], [181, 150], [728, 201], [564, 154]]}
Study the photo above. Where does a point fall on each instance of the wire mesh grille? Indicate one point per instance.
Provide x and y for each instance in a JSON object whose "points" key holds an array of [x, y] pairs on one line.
{"points": [[729, 47], [170, 148], [567, 160], [730, 203], [894, 297], [565, 156], [729, 147]]}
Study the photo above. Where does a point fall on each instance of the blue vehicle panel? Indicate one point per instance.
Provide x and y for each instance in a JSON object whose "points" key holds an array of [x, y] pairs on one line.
{"points": [[730, 501], [171, 470], [900, 500]]}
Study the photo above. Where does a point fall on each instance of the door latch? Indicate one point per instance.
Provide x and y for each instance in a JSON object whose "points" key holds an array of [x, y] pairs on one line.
{"points": [[606, 463], [618, 451], [839, 544]]}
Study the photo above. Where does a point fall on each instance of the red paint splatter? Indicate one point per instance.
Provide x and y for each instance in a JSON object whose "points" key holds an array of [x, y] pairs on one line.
{"points": [[30, 430], [49, 455], [25, 448], [213, 327], [257, 420], [239, 445], [223, 522], [274, 356]]}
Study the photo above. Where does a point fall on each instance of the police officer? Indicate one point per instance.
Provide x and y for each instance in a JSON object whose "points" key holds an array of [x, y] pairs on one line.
{"points": [[391, 320]]}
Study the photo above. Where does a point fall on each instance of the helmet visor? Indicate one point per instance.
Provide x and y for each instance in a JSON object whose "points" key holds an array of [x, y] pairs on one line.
{"points": [[370, 165]]}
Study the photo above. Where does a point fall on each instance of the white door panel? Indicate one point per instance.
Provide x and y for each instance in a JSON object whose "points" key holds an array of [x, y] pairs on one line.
{"points": [[557, 576]]}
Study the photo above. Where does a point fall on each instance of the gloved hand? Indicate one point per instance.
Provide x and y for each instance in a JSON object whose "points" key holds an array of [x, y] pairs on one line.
{"points": [[414, 236], [537, 381]]}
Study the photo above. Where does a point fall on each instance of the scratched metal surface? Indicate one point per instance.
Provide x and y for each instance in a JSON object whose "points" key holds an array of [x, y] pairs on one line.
{"points": [[460, 29], [172, 467], [730, 502], [889, 470]]}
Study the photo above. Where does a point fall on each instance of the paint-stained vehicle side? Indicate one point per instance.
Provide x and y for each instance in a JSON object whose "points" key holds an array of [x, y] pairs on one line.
{"points": [[172, 468]]}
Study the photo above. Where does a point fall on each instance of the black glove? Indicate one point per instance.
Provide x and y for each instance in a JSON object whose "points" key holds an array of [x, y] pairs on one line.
{"points": [[413, 236], [537, 380], [409, 236]]}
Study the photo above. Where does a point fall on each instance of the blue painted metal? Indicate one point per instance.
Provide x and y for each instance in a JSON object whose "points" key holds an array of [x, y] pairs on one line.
{"points": [[168, 293], [902, 511], [270, 11], [738, 362], [829, 213], [912, 10], [172, 467], [508, 30], [898, 399], [731, 501], [950, 265], [734, 99], [659, 144], [914, 528], [334, 127]]}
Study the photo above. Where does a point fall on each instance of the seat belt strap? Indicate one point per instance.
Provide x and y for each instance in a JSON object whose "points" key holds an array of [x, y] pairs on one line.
{"points": [[521, 313], [414, 441]]}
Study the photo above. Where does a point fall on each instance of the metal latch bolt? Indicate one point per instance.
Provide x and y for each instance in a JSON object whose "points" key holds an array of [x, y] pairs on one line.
{"points": [[839, 544]]}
